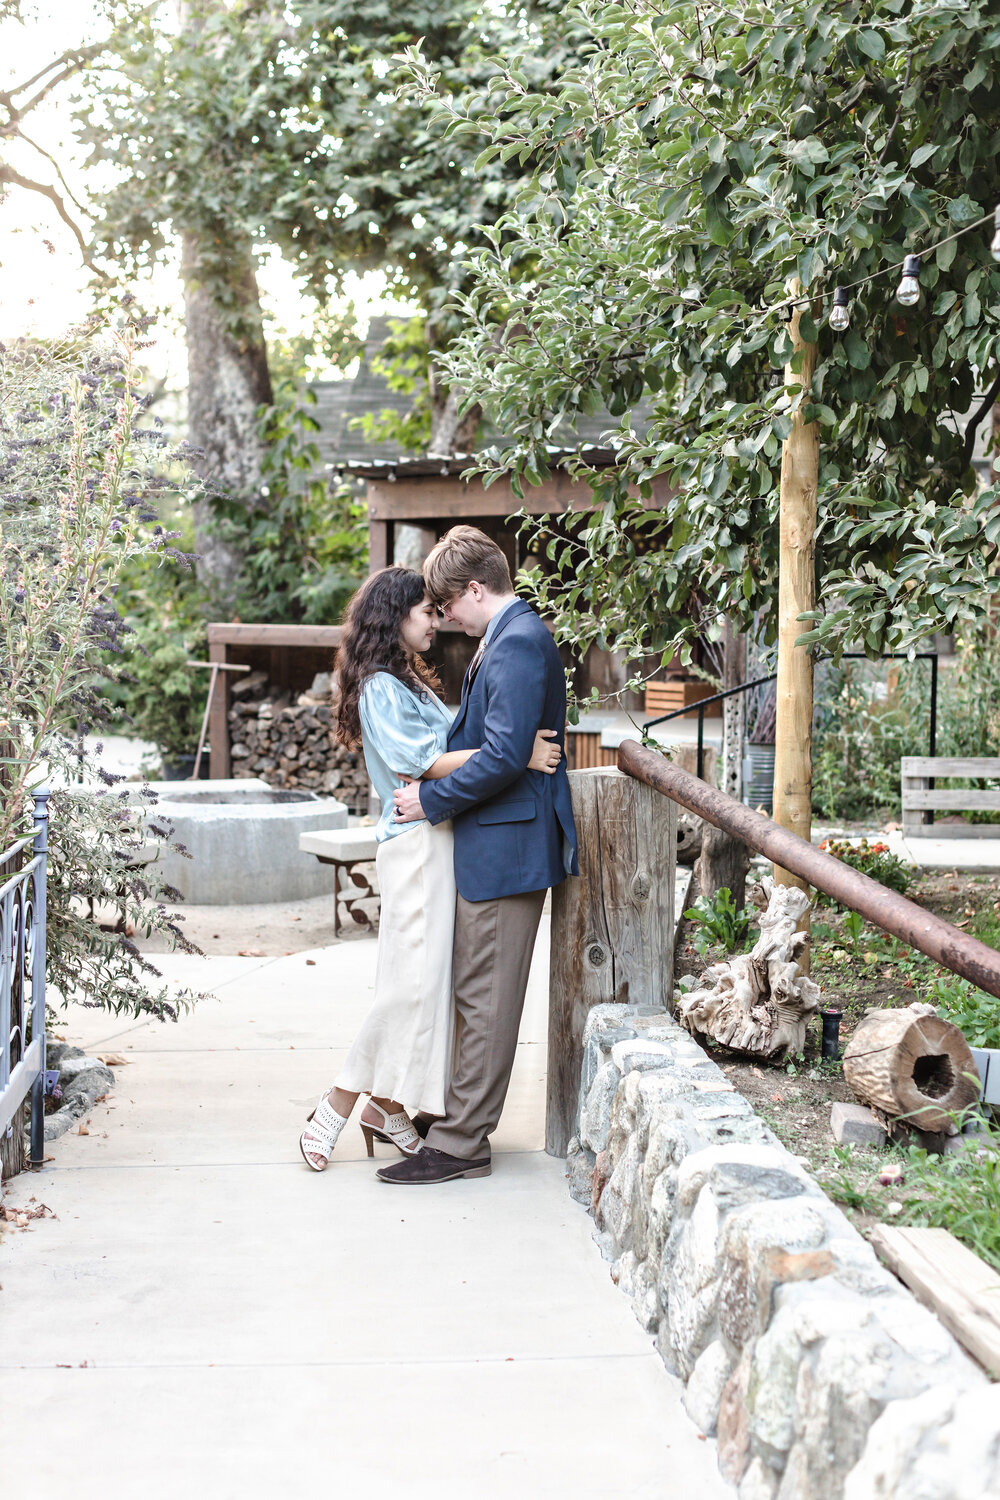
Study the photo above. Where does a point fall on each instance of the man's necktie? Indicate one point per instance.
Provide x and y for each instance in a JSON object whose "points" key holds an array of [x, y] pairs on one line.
{"points": [[474, 663]]}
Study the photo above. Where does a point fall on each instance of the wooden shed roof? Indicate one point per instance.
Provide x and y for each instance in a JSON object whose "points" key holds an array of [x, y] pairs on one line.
{"points": [[343, 444]]}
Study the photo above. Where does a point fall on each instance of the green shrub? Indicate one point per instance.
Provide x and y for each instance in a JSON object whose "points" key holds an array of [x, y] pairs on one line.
{"points": [[976, 1014], [719, 924], [80, 479], [875, 860]]}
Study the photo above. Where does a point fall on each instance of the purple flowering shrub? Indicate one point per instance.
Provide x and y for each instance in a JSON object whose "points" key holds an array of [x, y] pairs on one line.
{"points": [[81, 471]]}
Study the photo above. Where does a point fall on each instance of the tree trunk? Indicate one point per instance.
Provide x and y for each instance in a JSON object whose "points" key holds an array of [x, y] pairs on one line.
{"points": [[911, 1065], [723, 861], [450, 433], [734, 709], [228, 381]]}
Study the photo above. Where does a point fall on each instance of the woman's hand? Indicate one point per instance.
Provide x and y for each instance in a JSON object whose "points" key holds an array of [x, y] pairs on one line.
{"points": [[545, 757]]}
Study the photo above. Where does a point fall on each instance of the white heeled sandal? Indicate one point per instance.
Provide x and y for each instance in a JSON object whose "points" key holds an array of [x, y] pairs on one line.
{"points": [[321, 1134], [395, 1130]]}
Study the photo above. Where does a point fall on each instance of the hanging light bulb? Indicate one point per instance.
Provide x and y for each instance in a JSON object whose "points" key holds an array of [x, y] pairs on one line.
{"points": [[995, 241], [840, 313], [908, 291]]}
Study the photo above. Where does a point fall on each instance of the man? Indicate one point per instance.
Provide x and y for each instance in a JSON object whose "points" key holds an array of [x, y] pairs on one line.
{"points": [[514, 837]]}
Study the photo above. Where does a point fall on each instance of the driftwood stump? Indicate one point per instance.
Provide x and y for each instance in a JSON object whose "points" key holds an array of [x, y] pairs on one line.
{"points": [[759, 1002], [911, 1066]]}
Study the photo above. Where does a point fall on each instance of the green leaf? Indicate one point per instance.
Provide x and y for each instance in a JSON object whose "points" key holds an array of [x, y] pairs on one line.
{"points": [[871, 44]]}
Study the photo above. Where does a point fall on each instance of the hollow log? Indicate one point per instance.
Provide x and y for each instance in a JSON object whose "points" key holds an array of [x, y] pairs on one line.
{"points": [[912, 1066]]}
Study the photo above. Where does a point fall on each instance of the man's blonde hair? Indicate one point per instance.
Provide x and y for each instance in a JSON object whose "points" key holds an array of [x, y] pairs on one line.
{"points": [[462, 556]]}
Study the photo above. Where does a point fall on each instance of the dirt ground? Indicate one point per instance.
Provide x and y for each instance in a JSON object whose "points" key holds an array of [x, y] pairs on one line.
{"points": [[259, 931], [874, 970]]}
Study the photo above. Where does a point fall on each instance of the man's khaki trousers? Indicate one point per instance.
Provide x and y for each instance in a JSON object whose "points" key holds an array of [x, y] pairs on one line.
{"points": [[493, 943]]}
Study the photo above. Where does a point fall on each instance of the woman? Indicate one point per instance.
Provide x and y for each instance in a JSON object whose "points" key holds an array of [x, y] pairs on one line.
{"points": [[389, 705]]}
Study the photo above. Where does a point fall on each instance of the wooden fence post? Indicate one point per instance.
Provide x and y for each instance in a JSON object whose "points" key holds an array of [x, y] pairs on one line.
{"points": [[612, 929]]}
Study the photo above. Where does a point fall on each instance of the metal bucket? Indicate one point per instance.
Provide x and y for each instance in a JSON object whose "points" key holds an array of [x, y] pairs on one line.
{"points": [[758, 776]]}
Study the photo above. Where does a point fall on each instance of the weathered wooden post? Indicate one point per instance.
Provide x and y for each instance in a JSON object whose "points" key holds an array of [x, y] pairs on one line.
{"points": [[796, 595], [612, 929]]}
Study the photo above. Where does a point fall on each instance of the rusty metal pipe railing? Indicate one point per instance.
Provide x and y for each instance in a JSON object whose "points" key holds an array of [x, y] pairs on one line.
{"points": [[932, 935]]}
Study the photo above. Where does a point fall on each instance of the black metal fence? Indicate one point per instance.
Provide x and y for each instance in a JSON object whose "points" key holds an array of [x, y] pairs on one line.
{"points": [[22, 978]]}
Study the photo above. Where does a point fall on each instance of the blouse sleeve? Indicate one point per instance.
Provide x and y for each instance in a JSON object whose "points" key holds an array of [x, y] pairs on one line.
{"points": [[392, 719]]}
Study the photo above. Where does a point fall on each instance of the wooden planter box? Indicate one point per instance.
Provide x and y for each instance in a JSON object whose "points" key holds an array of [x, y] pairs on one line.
{"points": [[667, 697]]}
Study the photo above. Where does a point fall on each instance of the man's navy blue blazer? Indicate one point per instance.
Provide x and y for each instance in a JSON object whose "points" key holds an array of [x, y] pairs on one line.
{"points": [[514, 829]]}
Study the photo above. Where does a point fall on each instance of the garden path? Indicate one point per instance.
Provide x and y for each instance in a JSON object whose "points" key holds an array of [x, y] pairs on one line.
{"points": [[206, 1315]]}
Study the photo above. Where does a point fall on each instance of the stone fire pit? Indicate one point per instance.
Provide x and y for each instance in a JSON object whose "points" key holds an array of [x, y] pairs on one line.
{"points": [[243, 838]]}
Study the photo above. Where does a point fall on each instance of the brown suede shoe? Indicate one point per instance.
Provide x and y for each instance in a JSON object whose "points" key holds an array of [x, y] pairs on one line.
{"points": [[429, 1166]]}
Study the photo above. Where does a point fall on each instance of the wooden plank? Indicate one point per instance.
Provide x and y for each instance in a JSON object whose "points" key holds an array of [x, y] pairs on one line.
{"points": [[955, 799], [378, 545], [274, 635], [951, 831], [612, 929], [950, 765], [953, 1282], [219, 763]]}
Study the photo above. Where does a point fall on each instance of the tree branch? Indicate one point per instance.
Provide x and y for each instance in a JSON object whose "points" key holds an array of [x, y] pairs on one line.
{"points": [[972, 426], [49, 157], [8, 174]]}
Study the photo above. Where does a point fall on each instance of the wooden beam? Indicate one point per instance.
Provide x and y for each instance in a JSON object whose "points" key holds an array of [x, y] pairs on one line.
{"points": [[952, 1281], [273, 635], [612, 930], [447, 497]]}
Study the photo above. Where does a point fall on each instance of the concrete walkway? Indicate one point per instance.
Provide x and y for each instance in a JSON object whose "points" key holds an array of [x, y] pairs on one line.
{"points": [[206, 1317]]}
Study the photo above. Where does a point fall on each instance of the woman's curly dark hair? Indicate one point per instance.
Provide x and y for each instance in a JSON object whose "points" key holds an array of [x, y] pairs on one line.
{"points": [[371, 644]]}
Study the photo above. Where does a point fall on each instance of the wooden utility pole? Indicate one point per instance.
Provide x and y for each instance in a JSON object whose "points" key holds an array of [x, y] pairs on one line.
{"points": [[796, 594]]}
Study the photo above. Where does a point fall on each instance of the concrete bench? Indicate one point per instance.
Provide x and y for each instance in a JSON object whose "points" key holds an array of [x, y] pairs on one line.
{"points": [[343, 848], [919, 796]]}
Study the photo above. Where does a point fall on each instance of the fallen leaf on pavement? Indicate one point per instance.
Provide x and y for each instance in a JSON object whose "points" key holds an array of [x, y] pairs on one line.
{"points": [[113, 1059], [251, 953]]}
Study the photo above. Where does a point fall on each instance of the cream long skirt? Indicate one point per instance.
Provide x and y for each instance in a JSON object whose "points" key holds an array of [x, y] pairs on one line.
{"points": [[404, 1048]]}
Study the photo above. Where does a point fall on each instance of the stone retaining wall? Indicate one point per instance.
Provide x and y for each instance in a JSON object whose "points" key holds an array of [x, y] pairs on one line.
{"points": [[818, 1371]]}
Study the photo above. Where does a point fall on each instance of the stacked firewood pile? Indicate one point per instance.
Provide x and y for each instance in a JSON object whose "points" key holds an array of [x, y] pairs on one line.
{"points": [[292, 744]]}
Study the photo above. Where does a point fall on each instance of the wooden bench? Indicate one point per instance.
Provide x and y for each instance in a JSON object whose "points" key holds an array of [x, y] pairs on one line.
{"points": [[345, 849], [920, 796]]}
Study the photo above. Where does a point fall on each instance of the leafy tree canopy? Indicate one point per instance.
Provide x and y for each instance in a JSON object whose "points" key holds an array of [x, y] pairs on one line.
{"points": [[694, 161], [265, 123]]}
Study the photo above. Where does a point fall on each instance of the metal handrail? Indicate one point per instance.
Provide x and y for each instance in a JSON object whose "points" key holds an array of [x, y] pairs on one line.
{"points": [[947, 945], [701, 705], [22, 959], [746, 687]]}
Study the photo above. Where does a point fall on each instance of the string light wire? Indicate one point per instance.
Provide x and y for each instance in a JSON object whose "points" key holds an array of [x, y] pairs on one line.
{"points": [[850, 286]]}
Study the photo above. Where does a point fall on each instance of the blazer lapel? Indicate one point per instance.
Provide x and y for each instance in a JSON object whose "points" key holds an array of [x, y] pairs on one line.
{"points": [[518, 608]]}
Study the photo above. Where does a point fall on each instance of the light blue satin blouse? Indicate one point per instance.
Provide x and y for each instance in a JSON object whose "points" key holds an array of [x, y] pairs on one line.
{"points": [[401, 732]]}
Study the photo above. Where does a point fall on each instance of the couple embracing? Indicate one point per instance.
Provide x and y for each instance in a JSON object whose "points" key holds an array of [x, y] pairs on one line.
{"points": [[476, 825]]}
